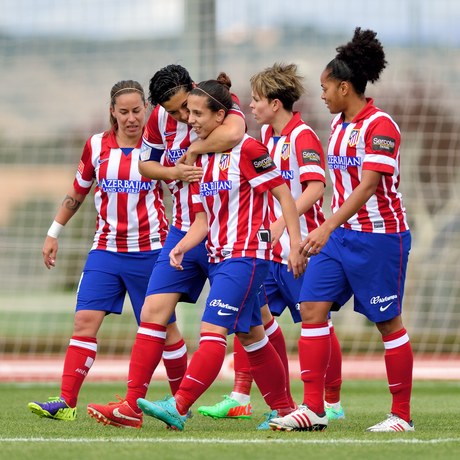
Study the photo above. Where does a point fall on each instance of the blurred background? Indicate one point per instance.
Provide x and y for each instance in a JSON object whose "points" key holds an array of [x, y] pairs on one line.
{"points": [[59, 60]]}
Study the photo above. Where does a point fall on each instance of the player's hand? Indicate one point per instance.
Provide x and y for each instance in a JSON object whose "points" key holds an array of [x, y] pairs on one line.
{"points": [[276, 231], [297, 263], [189, 157], [49, 252], [315, 241], [175, 258], [187, 173]]}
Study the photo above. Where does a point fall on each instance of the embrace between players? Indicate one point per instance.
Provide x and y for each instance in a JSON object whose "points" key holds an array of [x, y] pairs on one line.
{"points": [[247, 217]]}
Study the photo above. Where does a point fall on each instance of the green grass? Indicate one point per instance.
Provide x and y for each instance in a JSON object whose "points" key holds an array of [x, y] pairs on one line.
{"points": [[435, 408]]}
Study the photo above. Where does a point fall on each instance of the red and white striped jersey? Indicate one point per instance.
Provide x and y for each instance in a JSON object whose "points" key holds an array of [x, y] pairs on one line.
{"points": [[130, 211], [370, 142], [166, 140], [234, 194], [299, 157]]}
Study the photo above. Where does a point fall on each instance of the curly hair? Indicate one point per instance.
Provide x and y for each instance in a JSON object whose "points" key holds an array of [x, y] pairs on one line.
{"points": [[359, 61]]}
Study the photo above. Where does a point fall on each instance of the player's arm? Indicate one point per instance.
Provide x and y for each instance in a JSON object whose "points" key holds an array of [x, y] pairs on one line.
{"points": [[150, 166], [318, 237], [313, 192], [296, 261], [195, 235], [69, 206]]}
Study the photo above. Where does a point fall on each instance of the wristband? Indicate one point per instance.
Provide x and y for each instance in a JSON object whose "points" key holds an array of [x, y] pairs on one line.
{"points": [[55, 229]]}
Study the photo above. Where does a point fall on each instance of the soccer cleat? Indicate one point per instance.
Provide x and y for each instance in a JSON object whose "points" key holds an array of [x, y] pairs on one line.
{"points": [[392, 423], [55, 408], [334, 411], [117, 414], [268, 418], [164, 410], [228, 408], [302, 419]]}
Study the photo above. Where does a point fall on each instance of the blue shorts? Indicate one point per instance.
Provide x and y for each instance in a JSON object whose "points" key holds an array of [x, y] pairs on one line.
{"points": [[189, 282], [108, 276], [281, 291], [370, 266], [233, 300]]}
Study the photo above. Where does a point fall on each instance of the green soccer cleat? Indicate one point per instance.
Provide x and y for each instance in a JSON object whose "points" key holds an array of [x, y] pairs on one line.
{"points": [[268, 418], [334, 411], [55, 408], [164, 410], [228, 408]]}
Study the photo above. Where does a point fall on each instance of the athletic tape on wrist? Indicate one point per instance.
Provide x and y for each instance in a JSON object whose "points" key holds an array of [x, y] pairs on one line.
{"points": [[55, 229]]}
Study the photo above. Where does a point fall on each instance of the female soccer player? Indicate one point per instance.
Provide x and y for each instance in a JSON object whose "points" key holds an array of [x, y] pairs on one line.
{"points": [[298, 155], [131, 227], [166, 139], [231, 205], [362, 249]]}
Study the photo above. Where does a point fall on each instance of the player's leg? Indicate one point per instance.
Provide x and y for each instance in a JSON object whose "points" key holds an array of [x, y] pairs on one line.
{"points": [[100, 292], [380, 300], [238, 403], [234, 287], [333, 382]]}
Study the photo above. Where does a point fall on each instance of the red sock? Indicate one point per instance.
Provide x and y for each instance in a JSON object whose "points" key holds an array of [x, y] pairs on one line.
{"points": [[145, 356], [334, 370], [276, 337], [399, 362], [268, 373], [203, 369], [79, 358], [175, 361], [243, 378], [314, 354]]}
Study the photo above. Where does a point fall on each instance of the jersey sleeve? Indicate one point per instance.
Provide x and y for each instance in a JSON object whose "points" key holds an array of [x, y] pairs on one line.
{"points": [[153, 145], [197, 203], [382, 146], [85, 175], [310, 157], [258, 166]]}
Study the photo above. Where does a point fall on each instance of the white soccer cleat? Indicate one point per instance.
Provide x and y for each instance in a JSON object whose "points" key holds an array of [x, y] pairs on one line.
{"points": [[392, 423], [302, 419]]}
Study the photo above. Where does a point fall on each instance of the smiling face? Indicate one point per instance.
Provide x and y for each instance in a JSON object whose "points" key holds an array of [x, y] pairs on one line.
{"points": [[202, 119], [129, 111], [333, 92], [176, 106]]}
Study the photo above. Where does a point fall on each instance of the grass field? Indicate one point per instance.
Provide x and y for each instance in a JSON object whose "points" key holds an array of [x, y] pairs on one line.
{"points": [[435, 411]]}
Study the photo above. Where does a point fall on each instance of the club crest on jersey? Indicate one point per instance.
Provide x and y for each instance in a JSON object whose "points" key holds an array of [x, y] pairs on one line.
{"points": [[353, 139], [286, 151], [224, 162]]}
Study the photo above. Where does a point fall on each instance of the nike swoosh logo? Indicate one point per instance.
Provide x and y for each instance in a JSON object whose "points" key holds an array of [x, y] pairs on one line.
{"points": [[169, 133], [394, 384], [303, 372], [118, 414], [223, 313], [102, 161], [382, 309]]}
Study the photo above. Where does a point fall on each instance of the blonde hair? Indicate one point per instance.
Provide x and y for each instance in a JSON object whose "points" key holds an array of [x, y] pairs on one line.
{"points": [[280, 81]]}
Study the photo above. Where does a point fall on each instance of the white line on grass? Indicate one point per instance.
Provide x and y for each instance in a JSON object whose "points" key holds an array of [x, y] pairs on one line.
{"points": [[235, 441]]}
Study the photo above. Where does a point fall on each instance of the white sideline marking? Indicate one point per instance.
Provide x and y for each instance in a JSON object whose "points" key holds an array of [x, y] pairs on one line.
{"points": [[235, 441]]}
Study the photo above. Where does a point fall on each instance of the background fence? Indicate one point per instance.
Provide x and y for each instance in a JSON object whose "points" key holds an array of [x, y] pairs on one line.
{"points": [[59, 61]]}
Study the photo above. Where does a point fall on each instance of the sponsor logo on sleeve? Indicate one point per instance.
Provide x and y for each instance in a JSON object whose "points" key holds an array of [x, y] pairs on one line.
{"points": [[311, 157], [383, 144], [263, 163]]}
